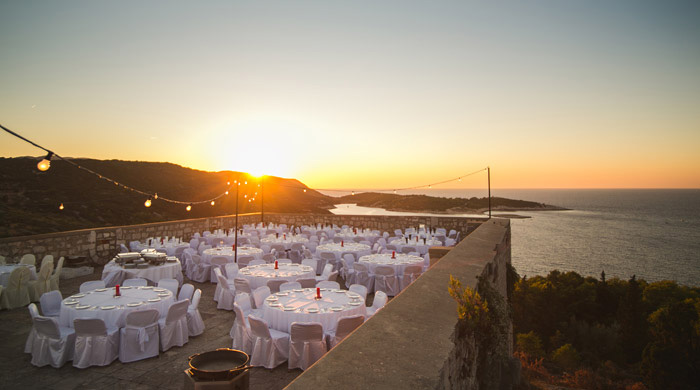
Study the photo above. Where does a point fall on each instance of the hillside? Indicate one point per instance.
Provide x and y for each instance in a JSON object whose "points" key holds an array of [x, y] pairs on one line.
{"points": [[30, 199]]}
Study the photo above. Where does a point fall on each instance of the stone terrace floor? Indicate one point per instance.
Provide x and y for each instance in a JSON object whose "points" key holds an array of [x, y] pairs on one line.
{"points": [[162, 372]]}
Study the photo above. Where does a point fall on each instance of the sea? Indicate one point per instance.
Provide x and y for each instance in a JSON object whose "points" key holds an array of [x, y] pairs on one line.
{"points": [[651, 233]]}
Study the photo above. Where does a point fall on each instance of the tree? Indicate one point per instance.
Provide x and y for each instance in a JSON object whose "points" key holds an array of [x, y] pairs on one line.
{"points": [[633, 334]]}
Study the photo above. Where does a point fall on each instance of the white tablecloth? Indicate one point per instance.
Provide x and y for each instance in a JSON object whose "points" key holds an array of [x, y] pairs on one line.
{"points": [[99, 301], [420, 247], [6, 270], [349, 235], [398, 264], [286, 241], [154, 273], [169, 247], [227, 252], [259, 275], [295, 307], [348, 247]]}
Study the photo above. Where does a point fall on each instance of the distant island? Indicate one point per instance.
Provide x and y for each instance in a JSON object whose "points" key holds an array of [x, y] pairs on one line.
{"points": [[30, 199]]}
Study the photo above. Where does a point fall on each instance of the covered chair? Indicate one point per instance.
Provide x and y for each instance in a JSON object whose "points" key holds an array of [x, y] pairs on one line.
{"points": [[231, 270], [217, 262], [380, 300], [359, 289], [256, 262], [28, 259], [95, 345], [56, 276], [186, 292], [243, 300], [53, 344], [328, 258], [385, 280], [139, 337], [134, 282], [195, 324], [274, 285], [307, 283], [260, 294], [220, 287], [198, 270], [290, 286], [226, 295], [327, 270], [42, 284], [33, 312], [328, 284], [240, 331], [242, 285], [16, 292], [345, 326], [410, 273], [243, 261], [270, 346], [310, 262], [173, 328], [307, 344], [170, 284], [92, 285], [51, 303]]}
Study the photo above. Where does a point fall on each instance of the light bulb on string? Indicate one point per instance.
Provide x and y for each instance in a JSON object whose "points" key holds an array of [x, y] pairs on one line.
{"points": [[245, 196], [246, 182], [147, 203], [213, 202], [189, 207], [45, 164], [60, 207], [352, 193], [304, 189], [228, 183], [460, 179], [226, 192], [394, 191], [155, 196]]}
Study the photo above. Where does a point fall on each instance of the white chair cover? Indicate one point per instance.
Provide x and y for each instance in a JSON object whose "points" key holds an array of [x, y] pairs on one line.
{"points": [[92, 285], [170, 284], [217, 262], [186, 292], [385, 280], [360, 289], [231, 270], [56, 276], [243, 301], [33, 312], [51, 303], [242, 285], [380, 299], [270, 346], [410, 273], [135, 282], [139, 337], [328, 284], [326, 272], [198, 270], [173, 328], [274, 285], [53, 344], [217, 291], [95, 345], [16, 292], [42, 284], [307, 344], [345, 326], [289, 286], [307, 283], [240, 331], [195, 324], [28, 259], [226, 295], [260, 294], [243, 261]]}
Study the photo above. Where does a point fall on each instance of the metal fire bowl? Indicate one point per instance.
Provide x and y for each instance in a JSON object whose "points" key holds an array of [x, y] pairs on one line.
{"points": [[221, 364]]}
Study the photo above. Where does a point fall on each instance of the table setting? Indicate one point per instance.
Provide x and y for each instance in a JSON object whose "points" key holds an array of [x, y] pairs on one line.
{"points": [[259, 275], [147, 264], [341, 248], [228, 252]]}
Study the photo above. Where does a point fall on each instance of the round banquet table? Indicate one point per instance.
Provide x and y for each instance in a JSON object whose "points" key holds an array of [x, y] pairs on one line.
{"points": [[169, 270], [286, 241], [358, 250], [228, 253], [6, 270], [398, 264], [420, 247], [259, 275], [102, 304], [283, 308], [169, 247], [349, 235]]}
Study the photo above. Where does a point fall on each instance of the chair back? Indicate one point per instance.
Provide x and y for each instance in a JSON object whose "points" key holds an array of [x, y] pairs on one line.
{"points": [[259, 327], [313, 263], [260, 294], [196, 297], [223, 283], [59, 267], [268, 257], [307, 283], [242, 285], [47, 326], [359, 267], [89, 327], [408, 249], [47, 258], [51, 303], [185, 292], [305, 331], [328, 256], [170, 284], [274, 284], [242, 300], [347, 324], [218, 261], [384, 270], [29, 259], [327, 270], [360, 289], [380, 299], [19, 278], [92, 285], [231, 270], [240, 315], [256, 262], [290, 286], [142, 318], [33, 311], [284, 261], [176, 311], [2, 260], [412, 272], [328, 284], [333, 276], [243, 261], [297, 246], [135, 282]]}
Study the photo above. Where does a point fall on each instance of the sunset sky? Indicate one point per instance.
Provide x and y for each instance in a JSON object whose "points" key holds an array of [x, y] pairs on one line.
{"points": [[363, 94]]}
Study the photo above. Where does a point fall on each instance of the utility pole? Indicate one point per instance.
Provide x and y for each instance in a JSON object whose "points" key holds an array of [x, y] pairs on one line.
{"points": [[235, 236], [489, 175], [262, 200]]}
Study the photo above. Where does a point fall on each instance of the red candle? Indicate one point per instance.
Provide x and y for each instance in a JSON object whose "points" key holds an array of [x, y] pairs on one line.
{"points": [[284, 236], [233, 247], [276, 266], [117, 291], [342, 243], [318, 292], [393, 254]]}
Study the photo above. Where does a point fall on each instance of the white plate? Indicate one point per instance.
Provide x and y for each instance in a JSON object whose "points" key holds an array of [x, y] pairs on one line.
{"points": [[154, 300], [312, 310], [82, 307], [163, 295], [289, 308], [353, 295], [125, 287], [68, 303], [298, 290], [101, 289], [159, 289], [336, 308], [271, 298], [146, 287], [354, 303], [282, 294], [274, 304], [77, 296], [134, 304], [339, 291], [110, 307]]}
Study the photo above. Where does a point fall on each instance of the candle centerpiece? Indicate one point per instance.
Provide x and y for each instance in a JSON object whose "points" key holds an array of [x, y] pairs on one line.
{"points": [[276, 265], [393, 254], [116, 291], [318, 293]]}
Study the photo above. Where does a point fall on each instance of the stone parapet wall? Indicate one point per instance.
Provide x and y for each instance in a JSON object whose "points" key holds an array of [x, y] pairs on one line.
{"points": [[100, 244]]}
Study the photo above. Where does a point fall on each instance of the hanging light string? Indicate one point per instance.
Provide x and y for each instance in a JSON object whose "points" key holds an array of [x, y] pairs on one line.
{"points": [[212, 201]]}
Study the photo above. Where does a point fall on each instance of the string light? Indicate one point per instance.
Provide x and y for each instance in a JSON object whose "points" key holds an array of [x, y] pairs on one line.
{"points": [[228, 183], [353, 193], [304, 189], [226, 192], [189, 207], [245, 196], [45, 164], [60, 207], [212, 202], [155, 196], [147, 203]]}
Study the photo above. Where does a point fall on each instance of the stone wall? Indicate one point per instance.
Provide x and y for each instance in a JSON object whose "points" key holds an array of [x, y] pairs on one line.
{"points": [[99, 245], [417, 341]]}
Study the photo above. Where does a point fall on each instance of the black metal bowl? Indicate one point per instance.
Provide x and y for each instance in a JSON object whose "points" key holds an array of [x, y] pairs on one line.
{"points": [[221, 364]]}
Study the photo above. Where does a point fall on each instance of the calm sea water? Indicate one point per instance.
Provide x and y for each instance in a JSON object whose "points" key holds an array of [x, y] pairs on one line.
{"points": [[654, 234]]}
